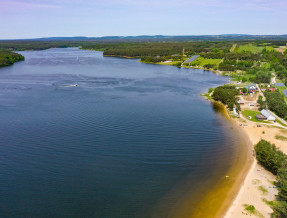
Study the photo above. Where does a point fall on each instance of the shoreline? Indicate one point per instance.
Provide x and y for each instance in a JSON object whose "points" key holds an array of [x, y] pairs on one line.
{"points": [[241, 190], [238, 173], [215, 198]]}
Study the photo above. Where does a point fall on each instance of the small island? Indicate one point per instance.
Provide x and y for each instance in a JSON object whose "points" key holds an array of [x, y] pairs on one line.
{"points": [[8, 58]]}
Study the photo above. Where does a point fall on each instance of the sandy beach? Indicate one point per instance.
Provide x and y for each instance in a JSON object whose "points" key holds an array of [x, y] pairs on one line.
{"points": [[258, 186]]}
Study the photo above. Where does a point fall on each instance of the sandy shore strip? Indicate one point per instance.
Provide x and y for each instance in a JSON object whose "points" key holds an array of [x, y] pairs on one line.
{"points": [[256, 190], [258, 187]]}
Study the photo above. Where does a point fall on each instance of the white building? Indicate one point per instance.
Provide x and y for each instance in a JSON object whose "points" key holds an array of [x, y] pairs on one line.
{"points": [[266, 114], [235, 112]]}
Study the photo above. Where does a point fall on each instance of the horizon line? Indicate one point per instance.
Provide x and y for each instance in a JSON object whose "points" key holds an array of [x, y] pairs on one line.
{"points": [[144, 35]]}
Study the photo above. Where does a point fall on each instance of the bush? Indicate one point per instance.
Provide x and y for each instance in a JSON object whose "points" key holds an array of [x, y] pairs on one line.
{"points": [[208, 66], [269, 156], [244, 79], [276, 161]]}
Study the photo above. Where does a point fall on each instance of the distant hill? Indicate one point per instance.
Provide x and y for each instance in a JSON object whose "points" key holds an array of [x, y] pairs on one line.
{"points": [[143, 38]]}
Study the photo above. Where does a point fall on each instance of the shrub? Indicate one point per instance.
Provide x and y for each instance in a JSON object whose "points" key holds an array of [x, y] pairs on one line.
{"points": [[276, 161]]}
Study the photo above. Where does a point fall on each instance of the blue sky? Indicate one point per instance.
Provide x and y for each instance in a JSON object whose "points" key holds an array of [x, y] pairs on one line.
{"points": [[46, 18]]}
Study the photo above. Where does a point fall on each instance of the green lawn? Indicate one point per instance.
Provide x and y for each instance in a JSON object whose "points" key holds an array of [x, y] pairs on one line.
{"points": [[249, 48], [251, 113], [247, 113], [200, 61]]}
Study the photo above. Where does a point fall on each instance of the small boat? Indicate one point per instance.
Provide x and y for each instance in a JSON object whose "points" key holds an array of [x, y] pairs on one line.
{"points": [[70, 85]]}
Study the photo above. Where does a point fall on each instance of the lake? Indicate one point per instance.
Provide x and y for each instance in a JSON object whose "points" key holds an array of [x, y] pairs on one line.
{"points": [[84, 135]]}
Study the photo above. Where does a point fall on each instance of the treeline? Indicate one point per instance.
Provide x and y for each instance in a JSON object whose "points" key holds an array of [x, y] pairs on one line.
{"points": [[152, 59], [276, 103], [275, 161], [8, 58], [227, 94], [261, 77], [162, 48], [19, 45], [232, 65]]}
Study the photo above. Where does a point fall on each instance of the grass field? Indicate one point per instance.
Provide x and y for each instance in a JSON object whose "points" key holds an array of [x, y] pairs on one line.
{"points": [[269, 48], [249, 48], [280, 89], [200, 61], [169, 63]]}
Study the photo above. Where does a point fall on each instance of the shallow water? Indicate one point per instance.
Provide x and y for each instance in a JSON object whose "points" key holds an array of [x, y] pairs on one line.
{"points": [[127, 139]]}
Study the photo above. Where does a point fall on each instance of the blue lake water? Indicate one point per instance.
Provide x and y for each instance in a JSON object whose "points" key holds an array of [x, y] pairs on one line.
{"points": [[83, 135]]}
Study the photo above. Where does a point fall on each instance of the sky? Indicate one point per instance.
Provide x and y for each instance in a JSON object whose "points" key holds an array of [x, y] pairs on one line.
{"points": [[93, 18]]}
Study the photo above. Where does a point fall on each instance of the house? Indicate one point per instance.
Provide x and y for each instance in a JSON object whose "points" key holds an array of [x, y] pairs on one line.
{"points": [[272, 89], [240, 102], [268, 116], [251, 88], [260, 117], [235, 112]]}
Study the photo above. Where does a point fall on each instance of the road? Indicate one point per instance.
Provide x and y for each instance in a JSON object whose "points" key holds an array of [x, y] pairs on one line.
{"points": [[261, 93], [273, 79], [278, 118]]}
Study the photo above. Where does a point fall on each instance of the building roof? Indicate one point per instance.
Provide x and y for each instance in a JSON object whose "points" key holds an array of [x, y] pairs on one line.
{"points": [[192, 58], [279, 84], [265, 113], [251, 86], [260, 116]]}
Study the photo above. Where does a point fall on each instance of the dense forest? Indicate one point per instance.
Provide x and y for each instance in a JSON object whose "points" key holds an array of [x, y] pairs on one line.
{"points": [[275, 161], [276, 103], [227, 94], [8, 58]]}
